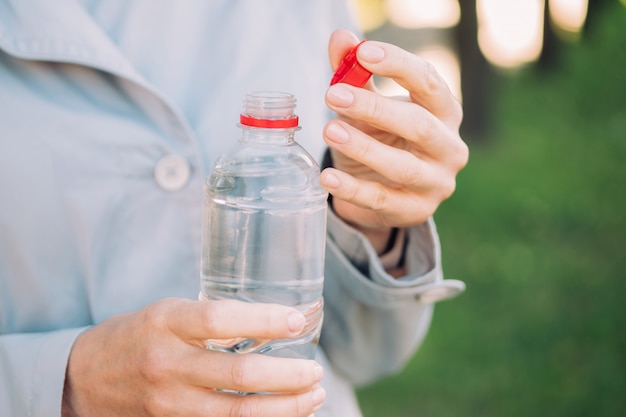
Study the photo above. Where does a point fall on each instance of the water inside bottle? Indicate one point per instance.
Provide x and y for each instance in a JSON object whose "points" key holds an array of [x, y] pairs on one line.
{"points": [[267, 256], [304, 296]]}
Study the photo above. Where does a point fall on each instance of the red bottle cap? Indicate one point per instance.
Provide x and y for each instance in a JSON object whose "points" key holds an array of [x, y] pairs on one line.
{"points": [[350, 71]]}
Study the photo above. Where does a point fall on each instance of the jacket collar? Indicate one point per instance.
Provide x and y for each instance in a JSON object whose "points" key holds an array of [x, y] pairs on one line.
{"points": [[60, 31]]}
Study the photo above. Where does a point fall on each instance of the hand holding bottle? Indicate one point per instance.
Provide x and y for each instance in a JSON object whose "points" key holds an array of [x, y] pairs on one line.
{"points": [[154, 363], [395, 159]]}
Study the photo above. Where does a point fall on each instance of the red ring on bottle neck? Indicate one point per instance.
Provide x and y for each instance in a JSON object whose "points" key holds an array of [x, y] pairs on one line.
{"points": [[269, 123]]}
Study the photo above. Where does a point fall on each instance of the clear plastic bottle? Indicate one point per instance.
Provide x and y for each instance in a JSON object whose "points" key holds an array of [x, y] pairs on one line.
{"points": [[264, 224]]}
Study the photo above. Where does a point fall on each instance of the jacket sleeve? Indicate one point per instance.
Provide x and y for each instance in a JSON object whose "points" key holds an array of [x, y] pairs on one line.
{"points": [[32, 372], [373, 322]]}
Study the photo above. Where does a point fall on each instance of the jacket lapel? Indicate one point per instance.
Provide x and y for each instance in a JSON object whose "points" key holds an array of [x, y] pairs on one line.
{"points": [[60, 31]]}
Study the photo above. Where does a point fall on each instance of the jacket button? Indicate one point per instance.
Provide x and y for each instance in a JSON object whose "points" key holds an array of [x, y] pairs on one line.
{"points": [[172, 172]]}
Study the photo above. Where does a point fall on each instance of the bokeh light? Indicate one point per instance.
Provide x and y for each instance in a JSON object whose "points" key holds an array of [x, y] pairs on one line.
{"points": [[415, 14], [370, 14], [510, 32], [569, 15]]}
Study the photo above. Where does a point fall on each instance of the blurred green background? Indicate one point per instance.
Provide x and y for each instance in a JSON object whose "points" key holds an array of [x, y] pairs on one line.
{"points": [[537, 230]]}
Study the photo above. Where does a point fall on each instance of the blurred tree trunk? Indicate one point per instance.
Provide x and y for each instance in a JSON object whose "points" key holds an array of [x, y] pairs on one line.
{"points": [[593, 13], [551, 43], [550, 48], [476, 76]]}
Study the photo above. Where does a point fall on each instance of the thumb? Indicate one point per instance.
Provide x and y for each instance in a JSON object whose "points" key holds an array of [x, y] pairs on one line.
{"points": [[340, 43]]}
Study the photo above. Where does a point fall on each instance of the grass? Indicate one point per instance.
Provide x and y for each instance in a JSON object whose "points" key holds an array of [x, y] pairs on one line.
{"points": [[537, 230]]}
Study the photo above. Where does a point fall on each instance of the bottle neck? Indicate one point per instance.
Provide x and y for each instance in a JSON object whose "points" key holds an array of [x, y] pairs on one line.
{"points": [[268, 136], [268, 117]]}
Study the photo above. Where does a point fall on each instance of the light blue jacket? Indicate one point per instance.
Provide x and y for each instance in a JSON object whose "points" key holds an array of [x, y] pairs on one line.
{"points": [[111, 116]]}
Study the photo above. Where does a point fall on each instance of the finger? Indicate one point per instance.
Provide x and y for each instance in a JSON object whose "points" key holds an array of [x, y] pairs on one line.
{"points": [[227, 319], [289, 405], [340, 43], [407, 120], [200, 402], [397, 165], [423, 82], [393, 206], [250, 372]]}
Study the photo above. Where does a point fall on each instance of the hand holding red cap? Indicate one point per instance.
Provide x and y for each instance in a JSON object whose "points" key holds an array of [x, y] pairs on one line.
{"points": [[350, 71]]}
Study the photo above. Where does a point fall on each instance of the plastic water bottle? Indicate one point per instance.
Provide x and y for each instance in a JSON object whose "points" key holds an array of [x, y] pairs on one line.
{"points": [[264, 225]]}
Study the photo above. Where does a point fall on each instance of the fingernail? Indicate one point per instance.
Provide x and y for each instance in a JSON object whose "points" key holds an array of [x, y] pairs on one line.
{"points": [[330, 180], [340, 96], [318, 396], [295, 321], [370, 53], [337, 133]]}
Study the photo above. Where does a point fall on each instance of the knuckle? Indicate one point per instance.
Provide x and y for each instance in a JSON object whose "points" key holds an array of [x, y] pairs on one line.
{"points": [[352, 192], [448, 188], [156, 404], [303, 377], [409, 175], [459, 155], [429, 208], [155, 315], [239, 372], [458, 113], [152, 366], [462, 154], [363, 150], [375, 110], [243, 407], [379, 202], [425, 125], [434, 82], [211, 317], [300, 409]]}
